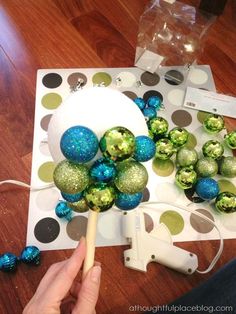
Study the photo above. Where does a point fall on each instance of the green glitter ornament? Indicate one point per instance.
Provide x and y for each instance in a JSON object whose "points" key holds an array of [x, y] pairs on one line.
{"points": [[164, 149], [186, 157], [206, 167], [117, 143], [228, 167], [230, 139], [213, 123], [132, 177], [71, 178], [100, 196], [213, 149], [178, 136], [226, 202], [79, 206], [185, 178], [158, 127]]}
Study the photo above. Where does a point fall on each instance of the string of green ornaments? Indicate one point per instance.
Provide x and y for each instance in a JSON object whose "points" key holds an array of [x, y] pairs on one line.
{"points": [[118, 177], [194, 171]]}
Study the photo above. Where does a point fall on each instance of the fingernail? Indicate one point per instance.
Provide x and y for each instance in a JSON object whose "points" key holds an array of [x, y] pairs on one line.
{"points": [[96, 274]]}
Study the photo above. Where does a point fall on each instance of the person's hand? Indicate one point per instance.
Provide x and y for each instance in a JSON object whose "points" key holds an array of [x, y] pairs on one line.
{"points": [[59, 292]]}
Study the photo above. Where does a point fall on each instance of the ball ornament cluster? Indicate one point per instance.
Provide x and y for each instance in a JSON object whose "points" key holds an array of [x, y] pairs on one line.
{"points": [[118, 177]]}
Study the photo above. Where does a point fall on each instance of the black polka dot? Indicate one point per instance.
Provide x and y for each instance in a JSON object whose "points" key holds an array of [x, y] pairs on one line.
{"points": [[52, 80], [192, 196], [47, 230], [151, 93], [174, 77]]}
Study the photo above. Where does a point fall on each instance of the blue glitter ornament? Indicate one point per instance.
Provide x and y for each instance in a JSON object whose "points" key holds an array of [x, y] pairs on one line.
{"points": [[149, 113], [128, 201], [145, 148], [103, 170], [154, 102], [140, 103], [8, 262], [30, 255], [79, 144], [207, 188], [72, 198], [62, 210]]}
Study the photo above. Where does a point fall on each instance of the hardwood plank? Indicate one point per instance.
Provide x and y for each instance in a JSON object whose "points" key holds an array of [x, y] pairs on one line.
{"points": [[108, 43]]}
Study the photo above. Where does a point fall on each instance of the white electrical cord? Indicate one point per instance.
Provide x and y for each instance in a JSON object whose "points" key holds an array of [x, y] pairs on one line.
{"points": [[25, 185], [144, 204], [218, 254]]}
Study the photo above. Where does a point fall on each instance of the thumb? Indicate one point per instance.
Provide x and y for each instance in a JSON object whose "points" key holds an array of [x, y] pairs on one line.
{"points": [[89, 291]]}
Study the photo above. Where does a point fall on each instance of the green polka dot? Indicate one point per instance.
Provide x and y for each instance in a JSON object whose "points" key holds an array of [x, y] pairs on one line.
{"points": [[226, 186], [173, 221], [163, 168], [201, 116], [102, 78], [51, 101], [46, 170], [191, 142]]}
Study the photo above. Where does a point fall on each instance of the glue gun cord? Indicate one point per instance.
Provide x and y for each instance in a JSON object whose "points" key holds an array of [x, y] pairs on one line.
{"points": [[220, 250], [25, 185]]}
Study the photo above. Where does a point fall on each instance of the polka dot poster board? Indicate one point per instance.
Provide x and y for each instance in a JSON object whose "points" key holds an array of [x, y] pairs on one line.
{"points": [[47, 231]]}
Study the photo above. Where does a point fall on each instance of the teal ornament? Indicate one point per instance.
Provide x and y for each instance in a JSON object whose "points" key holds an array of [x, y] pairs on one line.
{"points": [[100, 196], [186, 157], [132, 177], [158, 127], [228, 167], [62, 210], [213, 149], [230, 139], [226, 202], [8, 262], [70, 177], [72, 197], [30, 255], [185, 177], [178, 136], [79, 144], [145, 148], [117, 143], [154, 102], [207, 188], [164, 149], [140, 102], [213, 123], [149, 113], [206, 167], [103, 170], [128, 201]]}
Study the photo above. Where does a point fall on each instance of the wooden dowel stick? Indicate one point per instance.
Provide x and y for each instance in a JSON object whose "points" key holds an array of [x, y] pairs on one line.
{"points": [[90, 241]]}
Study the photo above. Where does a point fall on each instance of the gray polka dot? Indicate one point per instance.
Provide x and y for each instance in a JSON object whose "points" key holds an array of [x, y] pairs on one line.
{"points": [[181, 118], [130, 94], [45, 122], [76, 228], [199, 224], [150, 79]]}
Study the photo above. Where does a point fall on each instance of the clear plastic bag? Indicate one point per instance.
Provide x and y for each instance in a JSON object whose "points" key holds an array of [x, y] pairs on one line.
{"points": [[170, 33]]}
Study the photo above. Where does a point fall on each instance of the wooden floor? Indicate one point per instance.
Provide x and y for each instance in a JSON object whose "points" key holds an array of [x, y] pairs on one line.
{"points": [[84, 33]]}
